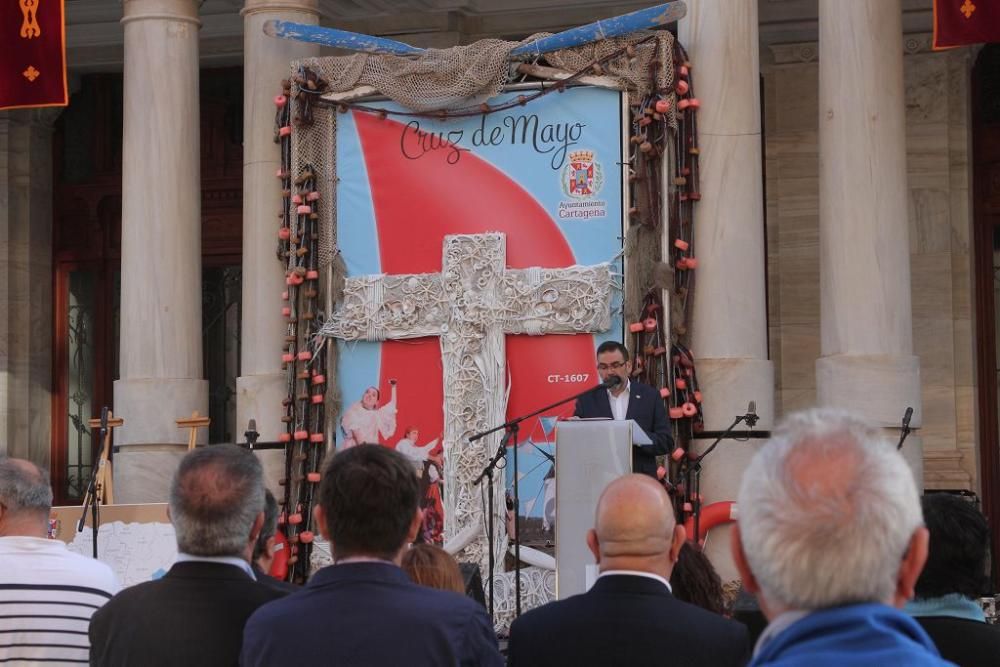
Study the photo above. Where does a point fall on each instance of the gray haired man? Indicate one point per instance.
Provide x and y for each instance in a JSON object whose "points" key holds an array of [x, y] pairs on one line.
{"points": [[47, 593], [831, 539], [195, 614]]}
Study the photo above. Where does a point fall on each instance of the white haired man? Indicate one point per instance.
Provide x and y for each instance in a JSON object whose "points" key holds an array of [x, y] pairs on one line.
{"points": [[831, 539], [47, 593]]}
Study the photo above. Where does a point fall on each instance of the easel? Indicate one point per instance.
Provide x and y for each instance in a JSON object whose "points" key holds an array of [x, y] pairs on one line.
{"points": [[194, 422], [103, 484]]}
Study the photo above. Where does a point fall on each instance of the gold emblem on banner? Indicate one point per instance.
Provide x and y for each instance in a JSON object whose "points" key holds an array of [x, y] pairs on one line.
{"points": [[967, 9], [30, 27], [31, 73]]}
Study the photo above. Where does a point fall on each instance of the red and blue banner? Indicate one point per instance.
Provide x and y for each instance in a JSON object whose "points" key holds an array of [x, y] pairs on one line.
{"points": [[549, 175], [32, 54]]}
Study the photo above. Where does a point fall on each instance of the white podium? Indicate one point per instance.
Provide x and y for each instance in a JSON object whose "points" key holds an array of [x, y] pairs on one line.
{"points": [[589, 455]]}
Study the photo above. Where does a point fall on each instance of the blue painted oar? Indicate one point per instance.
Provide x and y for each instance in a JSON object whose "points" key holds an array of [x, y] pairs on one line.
{"points": [[341, 39], [614, 27]]}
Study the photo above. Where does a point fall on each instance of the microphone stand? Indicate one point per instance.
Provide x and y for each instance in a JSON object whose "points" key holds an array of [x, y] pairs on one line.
{"points": [[903, 432], [91, 501], [694, 484], [511, 429]]}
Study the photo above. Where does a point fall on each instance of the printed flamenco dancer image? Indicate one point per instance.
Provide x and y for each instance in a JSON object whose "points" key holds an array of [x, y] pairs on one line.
{"points": [[428, 460], [364, 421], [433, 506], [417, 454]]}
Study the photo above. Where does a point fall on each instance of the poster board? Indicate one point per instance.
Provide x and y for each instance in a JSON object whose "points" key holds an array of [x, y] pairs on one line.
{"points": [[136, 541], [550, 176]]}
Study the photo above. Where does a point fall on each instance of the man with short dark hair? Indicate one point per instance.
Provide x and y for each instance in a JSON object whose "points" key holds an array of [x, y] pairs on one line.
{"points": [[47, 593], [948, 590], [364, 610], [195, 614], [628, 399], [263, 550], [630, 616]]}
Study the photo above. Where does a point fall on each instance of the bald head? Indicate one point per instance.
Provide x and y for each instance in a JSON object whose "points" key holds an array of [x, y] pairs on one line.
{"points": [[634, 527], [25, 498]]}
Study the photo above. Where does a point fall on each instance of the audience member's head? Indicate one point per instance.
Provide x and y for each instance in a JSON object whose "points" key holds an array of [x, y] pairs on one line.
{"points": [[694, 580], [217, 502], [956, 561], [25, 499], [432, 566], [634, 527], [367, 504], [263, 550], [829, 515]]}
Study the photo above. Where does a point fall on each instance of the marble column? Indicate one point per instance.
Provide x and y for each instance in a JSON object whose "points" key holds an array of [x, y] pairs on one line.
{"points": [[867, 363], [161, 354], [26, 283], [729, 333], [261, 387]]}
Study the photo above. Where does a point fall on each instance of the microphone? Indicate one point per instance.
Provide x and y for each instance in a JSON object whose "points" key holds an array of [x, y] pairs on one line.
{"points": [[751, 417], [104, 419], [612, 381], [251, 433]]}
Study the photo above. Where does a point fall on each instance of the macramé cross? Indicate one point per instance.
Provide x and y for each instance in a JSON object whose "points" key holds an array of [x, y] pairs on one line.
{"points": [[470, 306]]}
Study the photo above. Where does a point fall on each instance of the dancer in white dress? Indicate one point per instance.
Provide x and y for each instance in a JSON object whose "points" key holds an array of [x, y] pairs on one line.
{"points": [[364, 421]]}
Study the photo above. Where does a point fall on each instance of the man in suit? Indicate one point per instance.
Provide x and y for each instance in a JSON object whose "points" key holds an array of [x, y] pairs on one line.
{"points": [[830, 539], [628, 400], [195, 614], [363, 609], [629, 617], [948, 590]]}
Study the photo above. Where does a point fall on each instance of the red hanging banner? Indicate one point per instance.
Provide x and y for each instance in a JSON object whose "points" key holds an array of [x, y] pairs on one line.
{"points": [[961, 22], [33, 55]]}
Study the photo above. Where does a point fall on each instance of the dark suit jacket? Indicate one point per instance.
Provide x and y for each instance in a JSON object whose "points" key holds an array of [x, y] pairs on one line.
{"points": [[193, 616], [965, 642], [370, 614], [626, 621], [644, 406], [277, 584]]}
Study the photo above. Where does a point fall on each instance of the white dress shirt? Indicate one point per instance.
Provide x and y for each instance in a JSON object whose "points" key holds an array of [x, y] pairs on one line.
{"points": [[619, 403], [636, 573]]}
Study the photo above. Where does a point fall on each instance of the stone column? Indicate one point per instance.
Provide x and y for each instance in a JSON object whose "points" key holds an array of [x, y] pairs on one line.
{"points": [[867, 363], [26, 283], [729, 335], [161, 356], [266, 62]]}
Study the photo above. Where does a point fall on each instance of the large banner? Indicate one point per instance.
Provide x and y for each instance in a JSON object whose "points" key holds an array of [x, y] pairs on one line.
{"points": [[32, 54], [549, 175], [962, 22]]}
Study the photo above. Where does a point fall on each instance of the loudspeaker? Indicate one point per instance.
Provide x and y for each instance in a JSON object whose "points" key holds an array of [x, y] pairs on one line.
{"points": [[473, 582]]}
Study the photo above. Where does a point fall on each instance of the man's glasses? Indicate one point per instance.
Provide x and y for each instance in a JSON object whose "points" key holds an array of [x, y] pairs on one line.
{"points": [[611, 367]]}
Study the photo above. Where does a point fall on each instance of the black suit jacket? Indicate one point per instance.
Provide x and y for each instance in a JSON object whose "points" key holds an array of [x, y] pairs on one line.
{"points": [[277, 584], [193, 616], [965, 642], [628, 621], [644, 406]]}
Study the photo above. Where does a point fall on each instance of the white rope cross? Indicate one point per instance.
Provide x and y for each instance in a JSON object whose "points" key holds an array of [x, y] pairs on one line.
{"points": [[470, 306]]}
